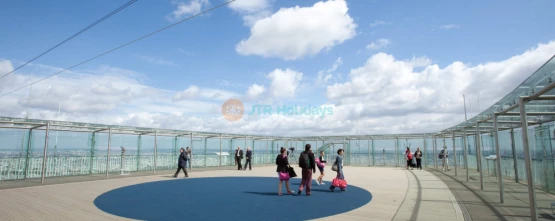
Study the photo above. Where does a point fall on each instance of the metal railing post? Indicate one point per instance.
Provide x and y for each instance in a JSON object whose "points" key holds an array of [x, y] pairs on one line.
{"points": [[528, 160], [44, 157], [108, 153]]}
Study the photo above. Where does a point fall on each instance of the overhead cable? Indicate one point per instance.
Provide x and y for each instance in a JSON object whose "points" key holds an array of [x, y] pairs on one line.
{"points": [[119, 47], [73, 36]]}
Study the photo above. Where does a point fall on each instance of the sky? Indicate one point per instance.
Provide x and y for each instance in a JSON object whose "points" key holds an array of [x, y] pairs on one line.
{"points": [[381, 67]]}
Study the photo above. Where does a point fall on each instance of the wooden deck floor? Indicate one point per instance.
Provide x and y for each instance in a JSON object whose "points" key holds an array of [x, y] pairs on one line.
{"points": [[397, 194]]}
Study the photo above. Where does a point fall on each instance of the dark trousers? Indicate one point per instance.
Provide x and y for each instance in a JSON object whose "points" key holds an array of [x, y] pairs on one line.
{"points": [[418, 163], [306, 180], [181, 168], [248, 162], [238, 163]]}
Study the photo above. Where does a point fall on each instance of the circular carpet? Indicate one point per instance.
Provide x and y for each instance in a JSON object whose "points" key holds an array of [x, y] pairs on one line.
{"points": [[228, 198]]}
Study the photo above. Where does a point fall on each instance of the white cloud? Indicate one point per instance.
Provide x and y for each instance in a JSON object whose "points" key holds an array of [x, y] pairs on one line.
{"points": [[384, 95], [285, 83], [5, 67], [324, 76], [380, 43], [255, 91], [194, 92], [250, 6], [449, 26], [156, 60], [186, 9], [252, 10], [391, 88], [379, 22], [293, 33]]}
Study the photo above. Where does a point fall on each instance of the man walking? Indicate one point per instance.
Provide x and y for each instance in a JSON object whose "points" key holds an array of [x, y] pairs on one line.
{"points": [[182, 163], [249, 158], [188, 152], [239, 157], [445, 159], [306, 162]]}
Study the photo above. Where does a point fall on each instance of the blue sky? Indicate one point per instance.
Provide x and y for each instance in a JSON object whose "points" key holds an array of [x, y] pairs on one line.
{"points": [[487, 31], [202, 51]]}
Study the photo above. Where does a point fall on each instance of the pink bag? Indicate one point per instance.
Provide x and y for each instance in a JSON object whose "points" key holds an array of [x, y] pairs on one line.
{"points": [[320, 164], [339, 183], [283, 176]]}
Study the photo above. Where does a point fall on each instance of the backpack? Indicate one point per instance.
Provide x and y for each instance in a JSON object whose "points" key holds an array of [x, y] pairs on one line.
{"points": [[441, 154], [304, 160]]}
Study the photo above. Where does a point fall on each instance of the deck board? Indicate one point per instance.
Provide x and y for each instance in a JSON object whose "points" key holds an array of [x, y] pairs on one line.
{"points": [[396, 193]]}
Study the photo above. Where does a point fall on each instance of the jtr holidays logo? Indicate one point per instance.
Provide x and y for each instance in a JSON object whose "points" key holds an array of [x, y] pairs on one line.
{"points": [[233, 110], [291, 110]]}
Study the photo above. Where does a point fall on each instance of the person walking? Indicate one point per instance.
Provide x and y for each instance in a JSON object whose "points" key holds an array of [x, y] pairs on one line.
{"points": [[408, 157], [182, 163], [445, 159], [320, 162], [418, 156], [308, 165], [339, 163], [282, 170], [239, 157], [189, 155], [248, 160]]}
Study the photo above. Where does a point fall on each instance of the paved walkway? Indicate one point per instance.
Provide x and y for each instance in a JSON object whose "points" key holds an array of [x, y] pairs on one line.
{"points": [[397, 194], [485, 204]]}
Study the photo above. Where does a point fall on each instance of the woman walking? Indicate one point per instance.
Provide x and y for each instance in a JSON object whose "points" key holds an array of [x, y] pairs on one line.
{"points": [[182, 164], [408, 157], [340, 176], [320, 163], [283, 170], [418, 155]]}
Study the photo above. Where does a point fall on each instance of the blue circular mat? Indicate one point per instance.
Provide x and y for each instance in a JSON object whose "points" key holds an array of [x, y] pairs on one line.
{"points": [[228, 198]]}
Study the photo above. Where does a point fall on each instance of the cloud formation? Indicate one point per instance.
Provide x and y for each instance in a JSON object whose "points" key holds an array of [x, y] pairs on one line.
{"points": [[383, 95], [378, 44], [297, 32]]}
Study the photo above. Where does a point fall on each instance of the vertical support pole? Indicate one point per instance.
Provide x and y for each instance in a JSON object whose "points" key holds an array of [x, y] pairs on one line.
{"points": [[498, 160], [528, 161], [28, 154], [368, 144], [373, 153], [434, 147], [91, 160], [267, 159], [191, 158], [424, 156], [139, 153], [175, 144], [155, 150], [44, 158], [397, 151], [513, 147], [476, 146], [108, 153], [205, 147], [231, 153], [479, 155], [454, 154], [220, 151], [245, 143], [466, 155]]}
